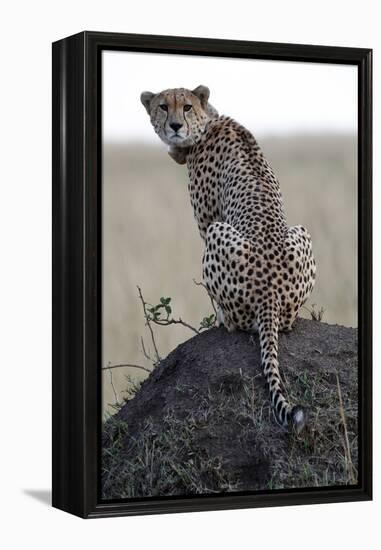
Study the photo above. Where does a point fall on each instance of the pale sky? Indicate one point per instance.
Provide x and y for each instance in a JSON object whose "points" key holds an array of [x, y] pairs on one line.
{"points": [[267, 97]]}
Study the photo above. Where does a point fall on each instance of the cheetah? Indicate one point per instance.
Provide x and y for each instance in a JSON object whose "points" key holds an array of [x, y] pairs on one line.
{"points": [[258, 270]]}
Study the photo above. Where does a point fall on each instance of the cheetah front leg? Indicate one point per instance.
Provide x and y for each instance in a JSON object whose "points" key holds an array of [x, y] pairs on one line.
{"points": [[299, 272], [223, 321]]}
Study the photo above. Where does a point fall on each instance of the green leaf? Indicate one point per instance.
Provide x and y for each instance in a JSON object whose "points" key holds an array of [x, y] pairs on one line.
{"points": [[207, 322]]}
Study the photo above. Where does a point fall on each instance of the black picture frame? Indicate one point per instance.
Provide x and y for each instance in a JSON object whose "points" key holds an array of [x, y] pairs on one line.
{"points": [[77, 269]]}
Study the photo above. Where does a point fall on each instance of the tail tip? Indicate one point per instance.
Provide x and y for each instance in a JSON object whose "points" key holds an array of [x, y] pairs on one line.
{"points": [[299, 418]]}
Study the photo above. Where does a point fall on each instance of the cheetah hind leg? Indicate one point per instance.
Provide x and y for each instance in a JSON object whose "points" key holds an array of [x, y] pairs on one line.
{"points": [[286, 414], [302, 267]]}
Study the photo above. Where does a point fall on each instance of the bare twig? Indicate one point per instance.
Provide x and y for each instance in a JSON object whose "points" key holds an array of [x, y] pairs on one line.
{"points": [[145, 353], [165, 323], [109, 367], [347, 448], [200, 283], [113, 387], [158, 358]]}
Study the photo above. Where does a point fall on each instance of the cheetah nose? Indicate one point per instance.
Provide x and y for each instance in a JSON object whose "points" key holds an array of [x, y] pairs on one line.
{"points": [[175, 126]]}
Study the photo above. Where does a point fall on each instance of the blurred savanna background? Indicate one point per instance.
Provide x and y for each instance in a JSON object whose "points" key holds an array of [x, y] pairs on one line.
{"points": [[304, 117]]}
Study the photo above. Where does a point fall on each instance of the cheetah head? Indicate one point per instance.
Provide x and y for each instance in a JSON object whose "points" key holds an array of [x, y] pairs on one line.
{"points": [[179, 116]]}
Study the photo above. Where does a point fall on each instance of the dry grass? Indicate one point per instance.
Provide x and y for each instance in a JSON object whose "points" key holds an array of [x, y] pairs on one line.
{"points": [[186, 455], [161, 463]]}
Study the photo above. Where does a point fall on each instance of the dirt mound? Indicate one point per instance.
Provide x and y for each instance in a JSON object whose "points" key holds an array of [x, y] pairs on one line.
{"points": [[201, 422]]}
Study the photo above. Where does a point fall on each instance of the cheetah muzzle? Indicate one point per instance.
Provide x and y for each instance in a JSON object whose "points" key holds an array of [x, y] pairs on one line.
{"points": [[257, 269]]}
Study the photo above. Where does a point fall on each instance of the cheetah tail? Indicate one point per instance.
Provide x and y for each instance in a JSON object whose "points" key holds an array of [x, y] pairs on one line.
{"points": [[286, 414]]}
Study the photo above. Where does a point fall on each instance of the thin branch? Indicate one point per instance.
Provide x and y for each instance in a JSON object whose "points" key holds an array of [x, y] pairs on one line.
{"points": [[164, 323], [158, 358], [113, 387], [199, 283], [144, 351], [109, 367]]}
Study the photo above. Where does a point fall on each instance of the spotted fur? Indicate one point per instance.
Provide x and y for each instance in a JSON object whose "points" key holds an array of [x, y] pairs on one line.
{"points": [[258, 270]]}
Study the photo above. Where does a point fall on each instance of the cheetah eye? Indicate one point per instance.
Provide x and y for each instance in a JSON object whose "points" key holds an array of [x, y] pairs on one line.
{"points": [[164, 107], [187, 107]]}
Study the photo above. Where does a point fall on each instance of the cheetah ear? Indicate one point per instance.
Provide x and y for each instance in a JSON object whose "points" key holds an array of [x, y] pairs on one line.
{"points": [[203, 93], [145, 98]]}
